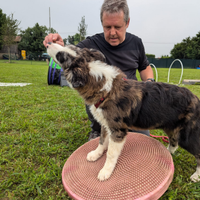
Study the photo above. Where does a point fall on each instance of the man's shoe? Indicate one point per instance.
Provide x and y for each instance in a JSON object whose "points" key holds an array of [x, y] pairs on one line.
{"points": [[93, 135]]}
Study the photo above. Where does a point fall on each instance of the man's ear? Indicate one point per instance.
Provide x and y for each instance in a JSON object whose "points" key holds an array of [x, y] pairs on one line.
{"points": [[128, 22]]}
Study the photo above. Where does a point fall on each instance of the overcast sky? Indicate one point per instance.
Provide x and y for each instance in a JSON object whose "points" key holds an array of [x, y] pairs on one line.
{"points": [[160, 23]]}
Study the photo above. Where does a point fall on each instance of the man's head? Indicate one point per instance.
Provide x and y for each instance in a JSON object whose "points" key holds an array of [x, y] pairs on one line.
{"points": [[115, 20]]}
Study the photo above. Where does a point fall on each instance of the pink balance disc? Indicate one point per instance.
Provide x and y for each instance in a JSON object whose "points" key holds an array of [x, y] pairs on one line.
{"points": [[144, 171]]}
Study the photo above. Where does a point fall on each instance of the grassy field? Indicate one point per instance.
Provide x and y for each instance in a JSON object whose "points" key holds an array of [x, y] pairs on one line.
{"points": [[41, 126]]}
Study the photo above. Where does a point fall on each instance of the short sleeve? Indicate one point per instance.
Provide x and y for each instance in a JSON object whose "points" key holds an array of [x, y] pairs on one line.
{"points": [[143, 61], [84, 44]]}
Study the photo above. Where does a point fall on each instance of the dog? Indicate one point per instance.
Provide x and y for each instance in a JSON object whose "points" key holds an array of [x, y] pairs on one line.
{"points": [[120, 104]]}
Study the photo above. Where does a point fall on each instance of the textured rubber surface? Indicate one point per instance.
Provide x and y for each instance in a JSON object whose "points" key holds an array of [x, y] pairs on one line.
{"points": [[144, 171]]}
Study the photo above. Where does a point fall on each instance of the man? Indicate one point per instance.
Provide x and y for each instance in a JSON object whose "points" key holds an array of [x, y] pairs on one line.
{"points": [[120, 48]]}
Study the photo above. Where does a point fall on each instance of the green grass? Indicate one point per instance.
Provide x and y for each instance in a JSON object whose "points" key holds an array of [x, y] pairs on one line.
{"points": [[41, 126]]}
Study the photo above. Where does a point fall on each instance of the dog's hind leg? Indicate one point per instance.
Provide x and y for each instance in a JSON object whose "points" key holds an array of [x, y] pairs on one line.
{"points": [[173, 140], [114, 150], [196, 176], [190, 140], [103, 145]]}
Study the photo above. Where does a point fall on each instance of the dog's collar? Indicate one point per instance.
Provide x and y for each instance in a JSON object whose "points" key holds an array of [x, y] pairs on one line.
{"points": [[103, 98], [100, 101]]}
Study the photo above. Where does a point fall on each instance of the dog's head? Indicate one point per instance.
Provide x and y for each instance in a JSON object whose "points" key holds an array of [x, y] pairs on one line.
{"points": [[74, 62]]}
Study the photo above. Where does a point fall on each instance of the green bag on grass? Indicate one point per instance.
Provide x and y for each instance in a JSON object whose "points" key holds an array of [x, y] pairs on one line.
{"points": [[54, 73]]}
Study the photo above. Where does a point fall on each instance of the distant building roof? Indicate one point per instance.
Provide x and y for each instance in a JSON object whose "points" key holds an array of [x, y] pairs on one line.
{"points": [[18, 38]]}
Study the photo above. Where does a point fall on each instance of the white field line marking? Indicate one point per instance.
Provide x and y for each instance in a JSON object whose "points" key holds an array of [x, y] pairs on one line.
{"points": [[14, 84]]}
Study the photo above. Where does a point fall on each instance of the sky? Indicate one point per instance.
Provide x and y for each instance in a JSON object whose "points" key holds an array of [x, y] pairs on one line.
{"points": [[159, 23]]}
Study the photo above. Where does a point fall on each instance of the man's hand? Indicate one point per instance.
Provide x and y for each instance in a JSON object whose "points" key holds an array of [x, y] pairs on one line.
{"points": [[53, 37], [146, 73]]}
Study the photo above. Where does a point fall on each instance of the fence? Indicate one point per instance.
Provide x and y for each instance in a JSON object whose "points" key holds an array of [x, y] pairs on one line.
{"points": [[166, 62]]}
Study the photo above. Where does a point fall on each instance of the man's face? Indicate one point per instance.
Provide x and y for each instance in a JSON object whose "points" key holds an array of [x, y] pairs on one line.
{"points": [[114, 27]]}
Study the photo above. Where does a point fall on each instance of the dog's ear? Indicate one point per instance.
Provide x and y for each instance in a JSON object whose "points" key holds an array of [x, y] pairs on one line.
{"points": [[92, 55], [79, 71], [63, 56], [97, 55], [60, 56]]}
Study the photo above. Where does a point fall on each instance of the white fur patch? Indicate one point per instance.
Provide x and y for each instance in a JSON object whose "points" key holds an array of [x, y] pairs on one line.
{"points": [[98, 152], [98, 115], [99, 69], [114, 148], [196, 176], [172, 149], [54, 48], [113, 153], [70, 51]]}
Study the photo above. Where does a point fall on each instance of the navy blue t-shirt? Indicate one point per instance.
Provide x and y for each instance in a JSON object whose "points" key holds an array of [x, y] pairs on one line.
{"points": [[128, 56]]}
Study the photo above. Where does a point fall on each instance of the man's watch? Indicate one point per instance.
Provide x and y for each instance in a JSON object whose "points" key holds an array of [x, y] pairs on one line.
{"points": [[151, 79]]}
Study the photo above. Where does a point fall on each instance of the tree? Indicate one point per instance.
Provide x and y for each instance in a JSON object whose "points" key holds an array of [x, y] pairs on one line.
{"points": [[150, 55], [65, 41], [188, 48], [179, 50], [75, 39], [82, 29], [32, 40], [9, 32], [2, 22], [193, 50], [52, 30], [165, 56], [70, 39]]}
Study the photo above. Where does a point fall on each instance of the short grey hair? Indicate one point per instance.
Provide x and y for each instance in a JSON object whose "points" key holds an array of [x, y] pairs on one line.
{"points": [[115, 6]]}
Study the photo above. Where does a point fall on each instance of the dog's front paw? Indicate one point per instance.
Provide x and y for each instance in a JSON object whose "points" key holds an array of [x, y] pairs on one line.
{"points": [[172, 149], [104, 174], [195, 177], [93, 156]]}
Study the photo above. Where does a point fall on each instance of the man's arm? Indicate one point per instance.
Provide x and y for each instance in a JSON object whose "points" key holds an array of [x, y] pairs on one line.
{"points": [[146, 73]]}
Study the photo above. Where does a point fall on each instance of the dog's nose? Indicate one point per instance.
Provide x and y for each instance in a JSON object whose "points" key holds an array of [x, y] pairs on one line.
{"points": [[49, 43]]}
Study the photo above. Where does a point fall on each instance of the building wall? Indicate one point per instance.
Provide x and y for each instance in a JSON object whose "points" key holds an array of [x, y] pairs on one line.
{"points": [[13, 50]]}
